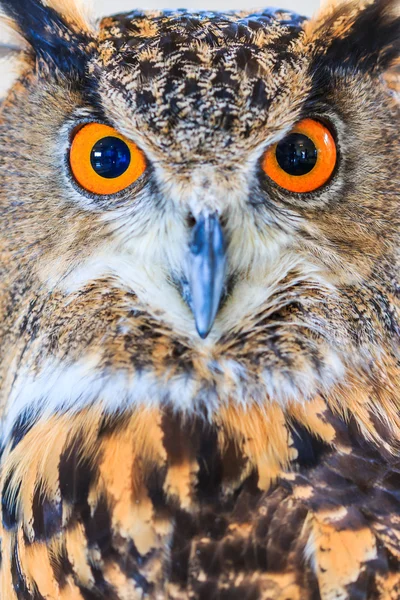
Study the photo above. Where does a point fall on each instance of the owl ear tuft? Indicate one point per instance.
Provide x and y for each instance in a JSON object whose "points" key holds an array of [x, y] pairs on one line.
{"points": [[360, 34], [57, 32]]}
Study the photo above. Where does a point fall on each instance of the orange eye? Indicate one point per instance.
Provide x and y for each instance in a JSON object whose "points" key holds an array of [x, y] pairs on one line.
{"points": [[304, 160], [103, 161]]}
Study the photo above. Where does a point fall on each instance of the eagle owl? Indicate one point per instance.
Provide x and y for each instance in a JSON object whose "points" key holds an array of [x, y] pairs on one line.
{"points": [[200, 305]]}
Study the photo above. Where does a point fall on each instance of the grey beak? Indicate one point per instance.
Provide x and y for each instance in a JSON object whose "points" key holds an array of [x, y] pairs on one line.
{"points": [[207, 263]]}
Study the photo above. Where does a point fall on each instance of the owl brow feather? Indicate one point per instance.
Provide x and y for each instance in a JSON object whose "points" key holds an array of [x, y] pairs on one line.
{"points": [[357, 36], [59, 41]]}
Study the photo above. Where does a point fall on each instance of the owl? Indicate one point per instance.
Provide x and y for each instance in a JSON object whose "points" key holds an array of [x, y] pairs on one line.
{"points": [[200, 305]]}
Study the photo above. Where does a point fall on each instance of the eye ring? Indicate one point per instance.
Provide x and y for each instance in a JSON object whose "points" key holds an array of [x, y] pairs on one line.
{"points": [[317, 171], [119, 161]]}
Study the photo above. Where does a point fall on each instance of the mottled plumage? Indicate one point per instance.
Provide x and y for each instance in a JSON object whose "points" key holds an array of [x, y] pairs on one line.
{"points": [[138, 459]]}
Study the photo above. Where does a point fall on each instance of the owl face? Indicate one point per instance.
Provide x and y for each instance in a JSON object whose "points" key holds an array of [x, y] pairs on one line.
{"points": [[204, 207]]}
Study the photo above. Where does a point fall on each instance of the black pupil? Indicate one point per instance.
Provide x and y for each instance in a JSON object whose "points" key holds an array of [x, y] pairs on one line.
{"points": [[110, 157], [296, 154]]}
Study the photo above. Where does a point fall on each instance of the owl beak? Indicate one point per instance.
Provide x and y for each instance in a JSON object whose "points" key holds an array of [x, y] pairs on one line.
{"points": [[207, 265]]}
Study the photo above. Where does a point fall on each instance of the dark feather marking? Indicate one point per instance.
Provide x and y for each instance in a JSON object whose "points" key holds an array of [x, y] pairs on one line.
{"points": [[47, 516], [373, 42], [184, 531], [247, 591], [110, 423], [154, 482], [365, 586], [98, 527], [129, 565], [210, 591], [76, 473], [61, 566], [147, 69], [310, 449], [98, 593], [21, 427], [210, 475], [282, 532], [206, 591], [181, 436], [90, 594], [259, 96], [213, 524], [49, 35], [9, 503], [234, 462], [103, 589]]}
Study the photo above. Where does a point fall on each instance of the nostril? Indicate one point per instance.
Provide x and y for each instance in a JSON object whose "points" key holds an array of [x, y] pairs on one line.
{"points": [[223, 219], [191, 221]]}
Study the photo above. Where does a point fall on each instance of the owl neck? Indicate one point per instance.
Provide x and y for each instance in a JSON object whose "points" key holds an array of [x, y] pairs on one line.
{"points": [[175, 451]]}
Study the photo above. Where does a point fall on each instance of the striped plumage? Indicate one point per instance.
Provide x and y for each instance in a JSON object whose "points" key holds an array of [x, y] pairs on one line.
{"points": [[139, 460]]}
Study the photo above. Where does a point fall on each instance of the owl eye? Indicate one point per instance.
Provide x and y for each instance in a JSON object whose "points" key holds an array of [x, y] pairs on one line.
{"points": [[103, 161], [304, 160]]}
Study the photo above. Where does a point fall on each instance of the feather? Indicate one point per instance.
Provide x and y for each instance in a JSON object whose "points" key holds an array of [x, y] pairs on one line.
{"points": [[59, 39], [138, 460], [77, 12], [363, 35]]}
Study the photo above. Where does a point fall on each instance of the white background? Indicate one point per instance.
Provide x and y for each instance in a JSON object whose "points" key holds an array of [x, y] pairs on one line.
{"points": [[102, 7], [305, 7]]}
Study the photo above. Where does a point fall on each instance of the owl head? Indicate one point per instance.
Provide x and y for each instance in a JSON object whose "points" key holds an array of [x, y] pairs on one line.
{"points": [[199, 208]]}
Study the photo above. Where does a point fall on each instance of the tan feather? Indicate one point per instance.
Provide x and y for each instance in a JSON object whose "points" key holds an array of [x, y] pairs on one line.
{"points": [[78, 12], [139, 460]]}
